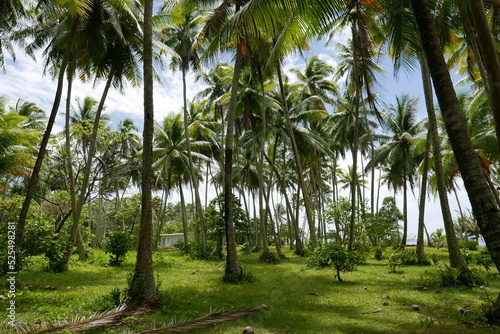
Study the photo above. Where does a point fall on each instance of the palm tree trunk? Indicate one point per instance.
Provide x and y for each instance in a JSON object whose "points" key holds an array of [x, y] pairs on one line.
{"points": [[234, 272], [194, 179], [405, 210], [184, 219], [489, 59], [142, 288], [75, 227], [90, 157], [482, 199], [456, 258], [421, 204], [21, 224], [305, 195]]}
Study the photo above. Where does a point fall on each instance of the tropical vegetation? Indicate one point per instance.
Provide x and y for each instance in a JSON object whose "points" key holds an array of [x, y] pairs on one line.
{"points": [[292, 159]]}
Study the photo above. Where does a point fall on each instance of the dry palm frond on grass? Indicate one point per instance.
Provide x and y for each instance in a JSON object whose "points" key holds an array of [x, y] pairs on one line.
{"points": [[210, 319], [114, 317]]}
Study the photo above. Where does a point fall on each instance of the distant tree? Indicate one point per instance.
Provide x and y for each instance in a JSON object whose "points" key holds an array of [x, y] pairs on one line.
{"points": [[214, 215]]}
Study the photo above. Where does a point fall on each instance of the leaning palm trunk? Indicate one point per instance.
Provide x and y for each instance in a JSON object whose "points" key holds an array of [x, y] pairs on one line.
{"points": [[481, 198], [489, 59], [456, 258], [88, 164], [305, 195], [21, 224]]}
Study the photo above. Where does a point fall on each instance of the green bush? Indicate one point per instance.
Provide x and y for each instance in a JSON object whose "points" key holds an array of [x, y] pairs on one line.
{"points": [[378, 252], [55, 248], [117, 244], [468, 244], [408, 257], [335, 255], [484, 259], [269, 257]]}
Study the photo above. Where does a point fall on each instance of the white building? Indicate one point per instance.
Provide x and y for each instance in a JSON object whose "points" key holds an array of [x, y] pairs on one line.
{"points": [[169, 240]]}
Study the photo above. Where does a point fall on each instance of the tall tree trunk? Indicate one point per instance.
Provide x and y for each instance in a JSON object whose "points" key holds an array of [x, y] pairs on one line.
{"points": [[194, 179], [184, 219], [421, 203], [405, 209], [489, 59], [88, 164], [482, 199], [234, 272], [354, 176], [142, 287], [72, 191], [456, 258], [21, 224], [300, 171]]}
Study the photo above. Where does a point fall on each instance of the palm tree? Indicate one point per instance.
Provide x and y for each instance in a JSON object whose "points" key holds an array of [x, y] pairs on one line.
{"points": [[16, 143], [172, 158], [180, 37], [142, 288], [480, 195], [398, 153], [405, 47], [62, 33], [11, 11]]}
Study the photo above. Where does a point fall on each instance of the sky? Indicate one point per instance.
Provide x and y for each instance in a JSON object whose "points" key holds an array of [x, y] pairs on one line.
{"points": [[24, 79]]}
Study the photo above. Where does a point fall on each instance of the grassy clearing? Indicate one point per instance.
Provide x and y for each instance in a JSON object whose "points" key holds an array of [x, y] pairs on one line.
{"points": [[300, 299]]}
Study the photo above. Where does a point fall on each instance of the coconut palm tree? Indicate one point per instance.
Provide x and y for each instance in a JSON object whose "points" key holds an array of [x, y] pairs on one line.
{"points": [[11, 12], [181, 37], [398, 153], [481, 197], [172, 160], [61, 33], [406, 49], [142, 288], [16, 142]]}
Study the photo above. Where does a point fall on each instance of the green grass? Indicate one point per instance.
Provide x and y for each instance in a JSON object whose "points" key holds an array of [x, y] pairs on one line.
{"points": [[300, 299]]}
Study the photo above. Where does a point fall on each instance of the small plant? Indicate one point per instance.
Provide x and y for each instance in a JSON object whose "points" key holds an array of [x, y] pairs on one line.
{"points": [[467, 255], [378, 252], [395, 261], [117, 244], [450, 276], [434, 258], [112, 299], [269, 257], [427, 322], [484, 259]]}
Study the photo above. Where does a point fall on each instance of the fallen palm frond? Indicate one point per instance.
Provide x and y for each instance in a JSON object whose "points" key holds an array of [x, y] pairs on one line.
{"points": [[110, 318], [210, 319]]}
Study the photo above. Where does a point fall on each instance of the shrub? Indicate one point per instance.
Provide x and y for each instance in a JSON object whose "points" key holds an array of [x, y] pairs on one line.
{"points": [[335, 255], [450, 276], [402, 257], [468, 244], [117, 244], [484, 259], [269, 257], [54, 248], [378, 252], [467, 255]]}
